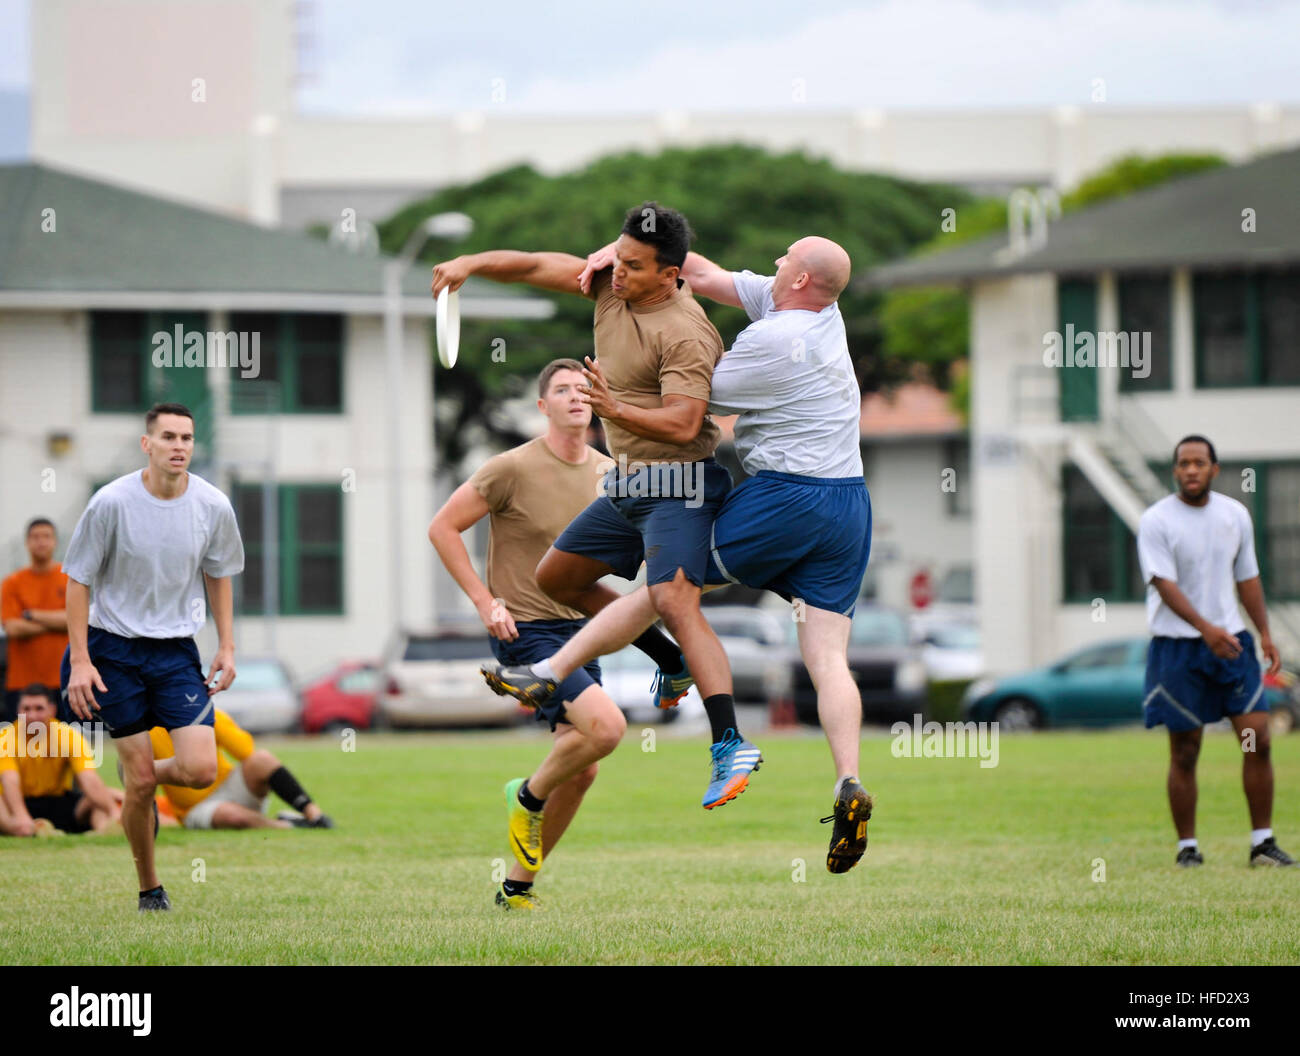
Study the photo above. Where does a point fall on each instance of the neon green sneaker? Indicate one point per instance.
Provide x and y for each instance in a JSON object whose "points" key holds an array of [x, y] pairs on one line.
{"points": [[525, 828]]}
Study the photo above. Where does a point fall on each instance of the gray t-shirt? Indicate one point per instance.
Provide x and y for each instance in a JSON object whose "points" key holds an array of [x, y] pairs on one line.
{"points": [[790, 379], [142, 557], [1207, 550]]}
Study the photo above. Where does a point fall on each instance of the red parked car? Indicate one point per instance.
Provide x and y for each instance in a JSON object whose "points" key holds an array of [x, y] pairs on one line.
{"points": [[345, 697]]}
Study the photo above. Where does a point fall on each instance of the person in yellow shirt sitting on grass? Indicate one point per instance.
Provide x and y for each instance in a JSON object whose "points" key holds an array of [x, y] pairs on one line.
{"points": [[237, 799], [48, 772]]}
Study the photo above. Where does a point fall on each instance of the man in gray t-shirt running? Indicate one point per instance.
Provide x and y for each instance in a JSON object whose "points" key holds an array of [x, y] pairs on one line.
{"points": [[138, 563]]}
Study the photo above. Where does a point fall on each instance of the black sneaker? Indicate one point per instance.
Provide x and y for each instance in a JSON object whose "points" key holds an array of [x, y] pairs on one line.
{"points": [[1269, 853], [154, 900], [323, 822], [1188, 857], [520, 683], [849, 836]]}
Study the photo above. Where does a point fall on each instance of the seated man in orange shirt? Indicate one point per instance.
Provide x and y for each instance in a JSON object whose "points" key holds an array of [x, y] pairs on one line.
{"points": [[47, 770], [237, 798]]}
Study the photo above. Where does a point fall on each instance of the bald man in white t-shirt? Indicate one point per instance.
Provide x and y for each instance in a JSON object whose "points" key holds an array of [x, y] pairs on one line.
{"points": [[1197, 551]]}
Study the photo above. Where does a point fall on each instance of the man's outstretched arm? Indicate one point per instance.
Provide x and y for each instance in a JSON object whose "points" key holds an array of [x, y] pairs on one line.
{"points": [[546, 271], [709, 280]]}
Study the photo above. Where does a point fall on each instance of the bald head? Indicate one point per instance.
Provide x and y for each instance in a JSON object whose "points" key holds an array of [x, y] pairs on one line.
{"points": [[826, 266]]}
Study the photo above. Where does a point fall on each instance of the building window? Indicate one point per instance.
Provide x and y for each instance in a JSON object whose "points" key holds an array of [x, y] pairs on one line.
{"points": [[310, 558], [956, 454], [1279, 307], [1246, 328], [301, 364], [1280, 557], [1100, 552], [1145, 306], [124, 377]]}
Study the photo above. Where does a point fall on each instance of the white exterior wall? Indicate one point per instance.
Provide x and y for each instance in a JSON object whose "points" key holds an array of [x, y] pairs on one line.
{"points": [[911, 526], [45, 388], [1016, 496]]}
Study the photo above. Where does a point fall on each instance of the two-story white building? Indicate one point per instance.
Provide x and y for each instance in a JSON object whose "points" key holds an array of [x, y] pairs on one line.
{"points": [[112, 300], [1199, 279]]}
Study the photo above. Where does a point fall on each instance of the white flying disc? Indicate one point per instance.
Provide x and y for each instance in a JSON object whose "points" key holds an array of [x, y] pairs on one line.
{"points": [[448, 326]]}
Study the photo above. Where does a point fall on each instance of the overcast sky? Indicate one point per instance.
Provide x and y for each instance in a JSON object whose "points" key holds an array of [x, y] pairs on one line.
{"points": [[413, 56]]}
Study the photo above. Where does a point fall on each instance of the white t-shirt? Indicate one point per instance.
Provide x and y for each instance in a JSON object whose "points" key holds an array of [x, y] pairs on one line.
{"points": [[143, 557], [1207, 550], [790, 379]]}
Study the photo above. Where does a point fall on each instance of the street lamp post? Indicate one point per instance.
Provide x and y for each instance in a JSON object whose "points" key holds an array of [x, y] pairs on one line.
{"points": [[443, 225]]}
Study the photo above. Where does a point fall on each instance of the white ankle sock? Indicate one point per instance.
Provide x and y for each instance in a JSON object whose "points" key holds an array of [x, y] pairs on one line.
{"points": [[1258, 836], [1187, 843], [542, 669]]}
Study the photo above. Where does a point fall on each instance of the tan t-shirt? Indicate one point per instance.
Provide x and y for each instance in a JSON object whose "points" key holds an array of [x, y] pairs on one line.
{"points": [[669, 348], [532, 494]]}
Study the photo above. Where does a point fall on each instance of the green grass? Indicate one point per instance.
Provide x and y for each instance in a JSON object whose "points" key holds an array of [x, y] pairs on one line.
{"points": [[966, 865]]}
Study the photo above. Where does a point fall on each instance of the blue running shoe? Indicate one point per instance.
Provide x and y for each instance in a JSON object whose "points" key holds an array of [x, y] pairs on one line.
{"points": [[733, 761], [667, 690]]}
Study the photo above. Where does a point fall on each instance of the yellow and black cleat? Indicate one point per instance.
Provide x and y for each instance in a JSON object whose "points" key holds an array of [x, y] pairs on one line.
{"points": [[849, 835], [523, 900], [525, 829], [518, 682]]}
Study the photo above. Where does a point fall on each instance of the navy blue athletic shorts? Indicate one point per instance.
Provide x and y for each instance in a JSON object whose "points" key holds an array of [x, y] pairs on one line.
{"points": [[151, 682], [1188, 686], [659, 514], [538, 640], [801, 537]]}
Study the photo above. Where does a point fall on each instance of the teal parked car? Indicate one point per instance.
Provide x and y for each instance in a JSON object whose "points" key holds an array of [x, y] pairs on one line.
{"points": [[1100, 685]]}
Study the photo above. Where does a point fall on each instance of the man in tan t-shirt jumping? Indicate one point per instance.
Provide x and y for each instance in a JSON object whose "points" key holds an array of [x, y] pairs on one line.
{"points": [[528, 495], [650, 384]]}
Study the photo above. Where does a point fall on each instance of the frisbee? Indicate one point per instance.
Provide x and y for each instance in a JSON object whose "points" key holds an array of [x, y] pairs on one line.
{"points": [[448, 327]]}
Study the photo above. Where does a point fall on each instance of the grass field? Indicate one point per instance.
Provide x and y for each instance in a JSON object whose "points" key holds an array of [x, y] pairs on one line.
{"points": [[966, 865]]}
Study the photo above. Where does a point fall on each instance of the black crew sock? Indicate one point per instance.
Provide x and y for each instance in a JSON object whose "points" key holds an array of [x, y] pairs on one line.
{"points": [[529, 801], [152, 891], [722, 716], [516, 887], [286, 786], [662, 650]]}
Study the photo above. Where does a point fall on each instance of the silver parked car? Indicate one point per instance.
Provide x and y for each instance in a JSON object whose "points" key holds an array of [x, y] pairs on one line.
{"points": [[262, 698], [432, 678], [755, 643]]}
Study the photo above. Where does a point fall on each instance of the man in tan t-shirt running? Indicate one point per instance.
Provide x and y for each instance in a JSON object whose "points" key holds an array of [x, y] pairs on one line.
{"points": [[529, 494], [650, 384]]}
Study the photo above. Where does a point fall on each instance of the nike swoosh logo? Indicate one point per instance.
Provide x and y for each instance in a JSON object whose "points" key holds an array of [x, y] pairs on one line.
{"points": [[191, 699], [527, 857]]}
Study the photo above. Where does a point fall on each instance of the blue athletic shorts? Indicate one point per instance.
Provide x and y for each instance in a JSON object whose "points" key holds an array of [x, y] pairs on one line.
{"points": [[801, 537], [151, 682], [539, 639], [659, 514], [1188, 686]]}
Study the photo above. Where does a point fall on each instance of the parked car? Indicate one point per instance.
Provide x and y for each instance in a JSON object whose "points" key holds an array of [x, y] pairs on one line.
{"points": [[1283, 690], [1099, 685], [432, 678], [627, 676], [884, 663], [754, 641], [951, 652], [345, 697], [261, 699]]}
